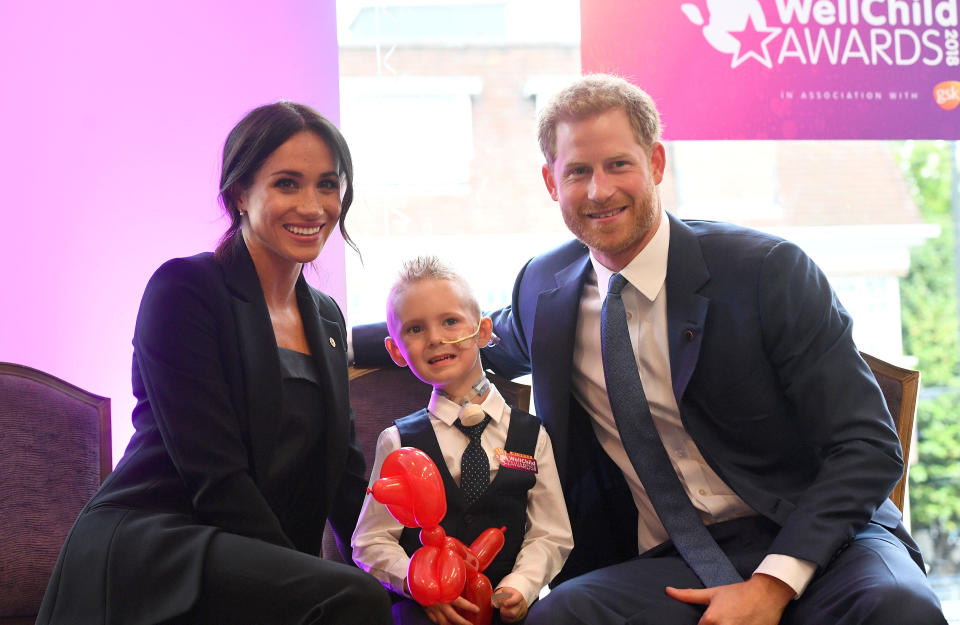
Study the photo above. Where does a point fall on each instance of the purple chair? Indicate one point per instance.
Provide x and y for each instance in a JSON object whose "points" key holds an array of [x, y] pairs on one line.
{"points": [[900, 389], [54, 453]]}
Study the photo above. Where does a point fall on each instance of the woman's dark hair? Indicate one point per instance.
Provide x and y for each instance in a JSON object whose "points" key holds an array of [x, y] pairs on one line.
{"points": [[251, 141]]}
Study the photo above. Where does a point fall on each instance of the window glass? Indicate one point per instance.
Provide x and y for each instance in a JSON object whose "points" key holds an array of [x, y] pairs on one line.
{"points": [[439, 104]]}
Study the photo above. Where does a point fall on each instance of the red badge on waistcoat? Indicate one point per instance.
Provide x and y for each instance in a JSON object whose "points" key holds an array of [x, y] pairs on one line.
{"points": [[514, 460]]}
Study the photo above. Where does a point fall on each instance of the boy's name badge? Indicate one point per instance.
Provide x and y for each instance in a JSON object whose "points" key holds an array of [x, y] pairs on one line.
{"points": [[513, 460]]}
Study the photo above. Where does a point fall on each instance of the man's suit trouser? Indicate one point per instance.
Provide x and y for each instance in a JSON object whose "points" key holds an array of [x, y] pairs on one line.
{"points": [[873, 581]]}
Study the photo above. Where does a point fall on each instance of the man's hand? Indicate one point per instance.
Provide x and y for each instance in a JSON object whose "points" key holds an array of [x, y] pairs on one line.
{"points": [[445, 614], [760, 600], [512, 605]]}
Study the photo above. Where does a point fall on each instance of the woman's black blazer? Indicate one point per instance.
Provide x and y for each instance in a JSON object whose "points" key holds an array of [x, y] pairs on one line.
{"points": [[207, 379]]}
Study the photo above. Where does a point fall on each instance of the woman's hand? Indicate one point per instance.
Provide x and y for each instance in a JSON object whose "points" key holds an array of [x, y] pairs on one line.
{"points": [[446, 613], [512, 605]]}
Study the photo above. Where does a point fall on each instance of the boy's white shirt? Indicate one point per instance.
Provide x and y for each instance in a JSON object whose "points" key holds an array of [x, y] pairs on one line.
{"points": [[548, 539]]}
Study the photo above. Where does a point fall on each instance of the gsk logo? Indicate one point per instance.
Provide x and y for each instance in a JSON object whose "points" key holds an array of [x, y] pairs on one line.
{"points": [[947, 94]]}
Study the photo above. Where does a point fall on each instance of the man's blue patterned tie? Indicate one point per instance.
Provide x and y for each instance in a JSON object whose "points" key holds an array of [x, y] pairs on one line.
{"points": [[645, 449]]}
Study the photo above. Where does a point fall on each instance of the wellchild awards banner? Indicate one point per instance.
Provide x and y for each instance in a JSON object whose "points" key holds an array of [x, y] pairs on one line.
{"points": [[785, 69]]}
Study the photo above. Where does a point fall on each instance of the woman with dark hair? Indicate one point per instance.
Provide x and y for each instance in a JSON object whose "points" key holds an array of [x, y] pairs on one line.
{"points": [[244, 442]]}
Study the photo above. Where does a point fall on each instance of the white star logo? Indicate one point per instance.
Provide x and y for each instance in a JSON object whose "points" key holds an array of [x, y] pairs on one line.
{"points": [[735, 27], [750, 39]]}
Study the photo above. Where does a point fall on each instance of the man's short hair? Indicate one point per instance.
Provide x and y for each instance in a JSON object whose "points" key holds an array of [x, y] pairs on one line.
{"points": [[594, 94], [430, 267]]}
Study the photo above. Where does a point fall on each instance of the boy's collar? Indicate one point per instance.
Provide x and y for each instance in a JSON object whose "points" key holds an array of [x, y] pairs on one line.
{"points": [[447, 411]]}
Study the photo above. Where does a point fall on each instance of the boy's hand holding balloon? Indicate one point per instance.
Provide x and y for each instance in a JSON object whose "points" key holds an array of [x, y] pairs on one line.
{"points": [[444, 568]]}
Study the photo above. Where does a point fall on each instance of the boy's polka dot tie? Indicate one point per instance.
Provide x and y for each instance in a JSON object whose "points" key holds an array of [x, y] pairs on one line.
{"points": [[474, 465]]}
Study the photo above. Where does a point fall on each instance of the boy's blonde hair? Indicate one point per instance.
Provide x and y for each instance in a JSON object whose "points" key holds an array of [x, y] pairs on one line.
{"points": [[430, 267]]}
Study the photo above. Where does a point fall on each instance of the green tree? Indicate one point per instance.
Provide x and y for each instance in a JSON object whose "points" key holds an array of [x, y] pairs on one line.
{"points": [[930, 331]]}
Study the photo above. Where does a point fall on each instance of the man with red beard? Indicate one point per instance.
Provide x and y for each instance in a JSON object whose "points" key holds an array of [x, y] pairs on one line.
{"points": [[755, 405]]}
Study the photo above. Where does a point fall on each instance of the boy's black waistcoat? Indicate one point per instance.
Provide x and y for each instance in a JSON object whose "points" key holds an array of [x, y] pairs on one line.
{"points": [[504, 503]]}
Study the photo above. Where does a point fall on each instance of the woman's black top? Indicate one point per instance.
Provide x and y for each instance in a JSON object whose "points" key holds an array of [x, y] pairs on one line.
{"points": [[296, 469]]}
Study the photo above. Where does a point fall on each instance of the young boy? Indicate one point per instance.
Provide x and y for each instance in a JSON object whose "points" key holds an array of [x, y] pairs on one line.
{"points": [[436, 329]]}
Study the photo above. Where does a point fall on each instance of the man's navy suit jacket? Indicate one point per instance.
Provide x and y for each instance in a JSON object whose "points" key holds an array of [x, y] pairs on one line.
{"points": [[767, 378]]}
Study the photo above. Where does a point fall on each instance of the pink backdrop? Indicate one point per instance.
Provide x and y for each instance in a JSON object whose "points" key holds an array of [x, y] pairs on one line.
{"points": [[112, 118], [785, 69]]}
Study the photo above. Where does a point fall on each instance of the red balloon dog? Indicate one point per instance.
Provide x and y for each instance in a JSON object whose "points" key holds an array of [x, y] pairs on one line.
{"points": [[444, 568]]}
